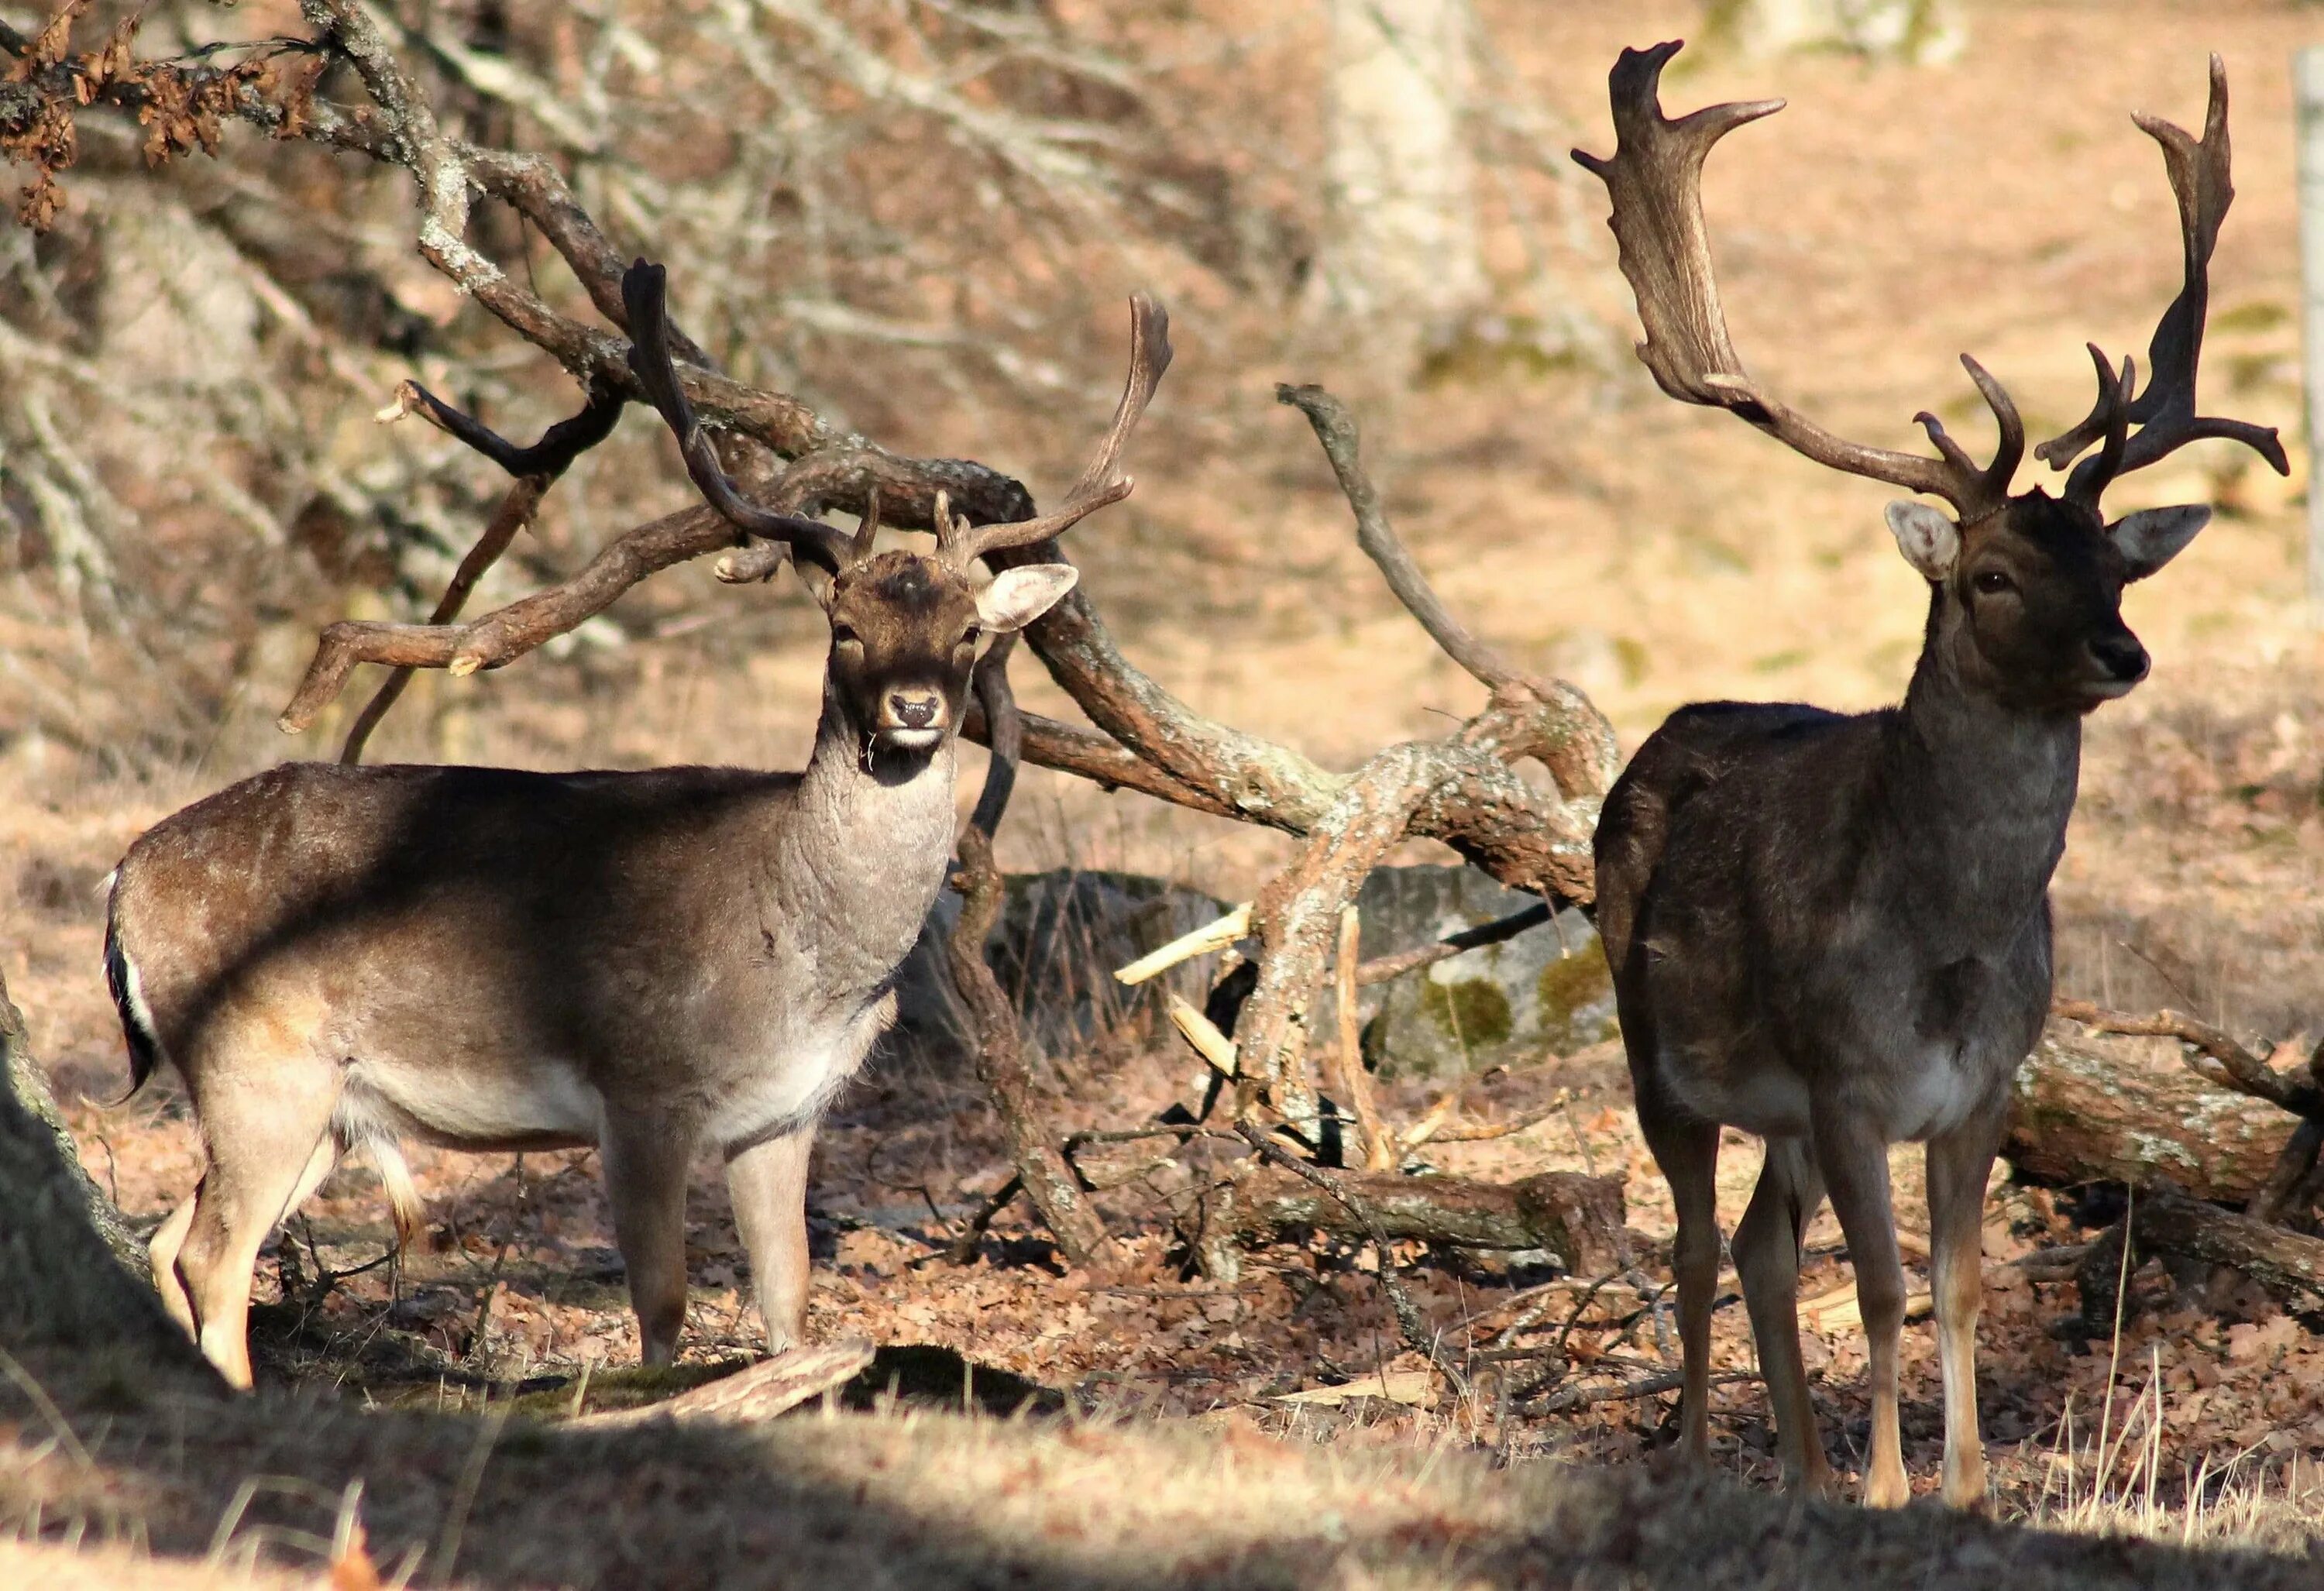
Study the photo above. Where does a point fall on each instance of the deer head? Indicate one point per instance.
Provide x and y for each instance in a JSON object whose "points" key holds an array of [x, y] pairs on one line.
{"points": [[2026, 590], [907, 628]]}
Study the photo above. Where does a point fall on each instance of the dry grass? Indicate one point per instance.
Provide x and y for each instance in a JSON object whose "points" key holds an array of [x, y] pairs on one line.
{"points": [[911, 1498]]}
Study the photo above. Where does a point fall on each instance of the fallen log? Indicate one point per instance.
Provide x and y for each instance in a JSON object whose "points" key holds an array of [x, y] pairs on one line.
{"points": [[1580, 1218], [2163, 1221], [2092, 1107]]}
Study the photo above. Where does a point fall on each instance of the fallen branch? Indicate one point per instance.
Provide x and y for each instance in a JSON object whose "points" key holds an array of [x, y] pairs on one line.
{"points": [[1568, 1398], [1578, 1217], [1408, 1320], [772, 1386]]}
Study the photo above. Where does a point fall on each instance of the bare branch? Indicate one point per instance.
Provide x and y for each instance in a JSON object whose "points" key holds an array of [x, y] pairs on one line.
{"points": [[1335, 428], [1381, 968], [2234, 1066], [505, 634], [517, 507]]}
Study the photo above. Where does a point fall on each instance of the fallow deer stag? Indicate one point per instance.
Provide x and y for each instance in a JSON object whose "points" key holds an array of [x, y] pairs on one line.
{"points": [[1833, 932], [493, 960]]}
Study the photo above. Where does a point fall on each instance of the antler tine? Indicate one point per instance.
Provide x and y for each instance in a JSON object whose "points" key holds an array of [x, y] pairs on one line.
{"points": [[2112, 417], [1150, 358], [2199, 174], [2007, 452], [1655, 180], [867, 528], [645, 295]]}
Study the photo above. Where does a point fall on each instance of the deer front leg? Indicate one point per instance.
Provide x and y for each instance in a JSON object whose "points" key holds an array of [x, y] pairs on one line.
{"points": [[1854, 1158], [768, 1181], [1959, 1161], [645, 1181]]}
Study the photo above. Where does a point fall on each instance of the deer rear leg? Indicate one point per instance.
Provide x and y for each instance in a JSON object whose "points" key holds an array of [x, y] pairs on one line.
{"points": [[270, 1145], [1959, 1161], [768, 1181], [1768, 1244], [645, 1182], [1854, 1159], [1686, 1150]]}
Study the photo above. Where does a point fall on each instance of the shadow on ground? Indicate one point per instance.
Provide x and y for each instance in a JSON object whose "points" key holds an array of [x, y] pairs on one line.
{"points": [[906, 1498]]}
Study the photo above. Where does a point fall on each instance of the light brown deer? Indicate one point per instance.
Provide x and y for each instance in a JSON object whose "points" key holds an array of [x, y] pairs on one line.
{"points": [[1833, 931], [337, 957]]}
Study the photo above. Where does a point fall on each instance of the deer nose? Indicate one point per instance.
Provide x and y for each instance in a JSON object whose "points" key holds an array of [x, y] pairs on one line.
{"points": [[2121, 657], [912, 709]]}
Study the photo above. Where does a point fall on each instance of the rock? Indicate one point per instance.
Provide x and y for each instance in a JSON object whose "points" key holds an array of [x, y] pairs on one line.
{"points": [[1545, 992], [1060, 936]]}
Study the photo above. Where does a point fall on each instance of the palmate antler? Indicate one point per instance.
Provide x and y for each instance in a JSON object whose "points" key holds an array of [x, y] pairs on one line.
{"points": [[1655, 179], [2165, 412]]}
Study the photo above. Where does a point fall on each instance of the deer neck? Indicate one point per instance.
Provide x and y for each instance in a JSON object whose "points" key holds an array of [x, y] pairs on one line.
{"points": [[1981, 792], [862, 852]]}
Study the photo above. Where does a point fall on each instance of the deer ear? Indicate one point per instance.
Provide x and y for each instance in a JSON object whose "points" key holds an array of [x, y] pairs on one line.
{"points": [[1929, 540], [2151, 538], [1018, 596], [817, 581]]}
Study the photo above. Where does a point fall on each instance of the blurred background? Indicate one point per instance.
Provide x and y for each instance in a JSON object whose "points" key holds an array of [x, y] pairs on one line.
{"points": [[922, 216]]}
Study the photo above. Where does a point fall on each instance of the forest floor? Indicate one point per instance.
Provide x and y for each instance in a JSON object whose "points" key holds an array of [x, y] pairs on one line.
{"points": [[1598, 530]]}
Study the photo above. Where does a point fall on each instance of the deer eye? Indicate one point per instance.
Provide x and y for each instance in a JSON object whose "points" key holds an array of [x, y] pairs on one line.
{"points": [[971, 635], [1989, 582], [845, 635]]}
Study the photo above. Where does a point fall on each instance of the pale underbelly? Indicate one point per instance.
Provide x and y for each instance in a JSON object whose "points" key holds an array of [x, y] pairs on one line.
{"points": [[1931, 1095], [543, 1105]]}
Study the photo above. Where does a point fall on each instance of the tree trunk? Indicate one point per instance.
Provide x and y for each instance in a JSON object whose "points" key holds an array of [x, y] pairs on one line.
{"points": [[1916, 31], [71, 1272], [1404, 254], [2091, 1109]]}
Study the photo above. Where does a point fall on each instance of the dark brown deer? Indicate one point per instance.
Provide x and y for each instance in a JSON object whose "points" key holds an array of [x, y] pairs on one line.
{"points": [[1833, 932], [487, 959]]}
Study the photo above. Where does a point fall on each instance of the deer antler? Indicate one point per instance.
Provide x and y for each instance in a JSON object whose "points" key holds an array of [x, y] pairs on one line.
{"points": [[645, 294], [1655, 181], [1149, 357], [549, 458], [2165, 412]]}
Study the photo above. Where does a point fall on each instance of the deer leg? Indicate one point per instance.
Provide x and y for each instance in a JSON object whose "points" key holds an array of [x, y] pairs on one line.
{"points": [[1959, 1161], [1686, 1149], [645, 1181], [1768, 1258], [768, 1181], [269, 1142], [1854, 1159], [168, 1238]]}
